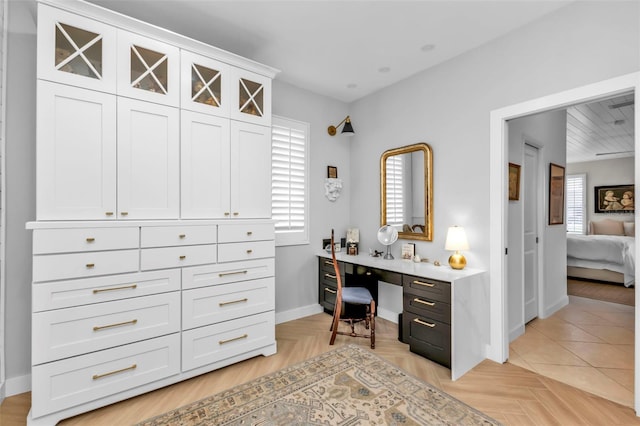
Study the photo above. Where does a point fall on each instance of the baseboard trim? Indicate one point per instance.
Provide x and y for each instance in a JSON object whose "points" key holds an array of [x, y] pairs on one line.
{"points": [[297, 313], [552, 309], [388, 315], [18, 385]]}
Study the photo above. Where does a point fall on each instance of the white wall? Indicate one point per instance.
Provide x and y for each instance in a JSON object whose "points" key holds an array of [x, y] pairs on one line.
{"points": [[547, 132], [604, 172]]}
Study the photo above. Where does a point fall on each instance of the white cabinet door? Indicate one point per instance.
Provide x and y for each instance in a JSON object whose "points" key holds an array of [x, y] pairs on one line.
{"points": [[205, 166], [205, 84], [148, 69], [250, 171], [76, 162], [251, 97], [75, 50], [148, 160]]}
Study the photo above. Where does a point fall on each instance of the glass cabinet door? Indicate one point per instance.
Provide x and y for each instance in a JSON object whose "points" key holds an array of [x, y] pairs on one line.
{"points": [[205, 85], [75, 50], [148, 69], [252, 98]]}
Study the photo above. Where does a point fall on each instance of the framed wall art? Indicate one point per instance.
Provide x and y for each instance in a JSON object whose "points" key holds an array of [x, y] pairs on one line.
{"points": [[332, 172], [556, 194], [514, 181], [614, 199]]}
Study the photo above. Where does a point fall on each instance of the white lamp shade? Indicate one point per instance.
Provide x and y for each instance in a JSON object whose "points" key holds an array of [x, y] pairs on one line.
{"points": [[456, 239]]}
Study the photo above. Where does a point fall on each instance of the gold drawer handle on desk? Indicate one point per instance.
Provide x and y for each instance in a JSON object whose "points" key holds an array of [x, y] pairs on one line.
{"points": [[124, 287], [330, 290], [428, 324], [90, 239], [232, 302], [330, 276], [424, 302], [110, 373], [224, 274], [424, 284], [90, 265], [222, 342], [118, 324], [328, 262]]}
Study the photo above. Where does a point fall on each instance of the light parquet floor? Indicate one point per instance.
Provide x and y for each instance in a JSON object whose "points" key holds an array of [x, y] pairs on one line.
{"points": [[509, 393]]}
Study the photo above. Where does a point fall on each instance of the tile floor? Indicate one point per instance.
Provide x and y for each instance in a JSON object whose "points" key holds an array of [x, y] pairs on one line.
{"points": [[587, 344]]}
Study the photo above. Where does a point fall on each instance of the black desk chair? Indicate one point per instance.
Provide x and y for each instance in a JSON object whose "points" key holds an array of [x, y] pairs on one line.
{"points": [[354, 296]]}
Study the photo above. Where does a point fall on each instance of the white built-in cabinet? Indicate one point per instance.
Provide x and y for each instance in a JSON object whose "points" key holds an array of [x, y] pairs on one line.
{"points": [[153, 245]]}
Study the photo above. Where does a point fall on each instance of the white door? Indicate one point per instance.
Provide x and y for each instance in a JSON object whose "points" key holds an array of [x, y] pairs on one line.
{"points": [[76, 160], [205, 166], [250, 171], [530, 227], [148, 160]]}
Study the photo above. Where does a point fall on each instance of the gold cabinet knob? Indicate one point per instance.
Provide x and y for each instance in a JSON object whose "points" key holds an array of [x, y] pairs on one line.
{"points": [[182, 236], [108, 213], [124, 213], [90, 239], [183, 257]]}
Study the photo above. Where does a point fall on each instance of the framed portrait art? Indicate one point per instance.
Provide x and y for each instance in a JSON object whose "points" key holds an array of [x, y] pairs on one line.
{"points": [[614, 199], [556, 194], [514, 181]]}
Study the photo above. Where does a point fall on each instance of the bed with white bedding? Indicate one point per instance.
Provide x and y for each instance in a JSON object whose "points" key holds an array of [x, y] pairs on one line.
{"points": [[602, 257]]}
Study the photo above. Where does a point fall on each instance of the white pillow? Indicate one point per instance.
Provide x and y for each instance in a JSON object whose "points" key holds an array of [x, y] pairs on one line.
{"points": [[629, 229], [607, 227]]}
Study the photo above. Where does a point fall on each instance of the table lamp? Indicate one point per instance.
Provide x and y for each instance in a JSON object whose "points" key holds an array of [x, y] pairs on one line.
{"points": [[456, 241]]}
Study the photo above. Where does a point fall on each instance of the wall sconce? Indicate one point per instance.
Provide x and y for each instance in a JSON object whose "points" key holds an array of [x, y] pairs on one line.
{"points": [[456, 240], [346, 129]]}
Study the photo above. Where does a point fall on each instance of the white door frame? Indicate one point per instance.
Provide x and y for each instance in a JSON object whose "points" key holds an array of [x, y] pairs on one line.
{"points": [[498, 349]]}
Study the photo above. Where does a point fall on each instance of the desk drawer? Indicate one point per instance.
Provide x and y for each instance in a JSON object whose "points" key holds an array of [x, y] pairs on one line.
{"points": [[65, 294], [424, 307], [233, 252], [210, 305], [185, 235], [224, 273], [389, 277], [81, 265], [74, 331], [326, 265], [214, 343], [431, 339], [238, 232], [327, 296], [81, 379], [50, 241], [427, 288], [176, 257]]}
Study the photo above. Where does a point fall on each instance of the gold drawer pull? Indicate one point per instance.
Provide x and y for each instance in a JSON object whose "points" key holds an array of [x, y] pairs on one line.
{"points": [[424, 284], [124, 287], [224, 274], [428, 324], [182, 236], [368, 273], [99, 376], [328, 262], [232, 302], [124, 213], [102, 327], [249, 233], [330, 276], [249, 251], [236, 213], [226, 213], [222, 342], [109, 213], [182, 257], [90, 265], [327, 289], [424, 302], [90, 239]]}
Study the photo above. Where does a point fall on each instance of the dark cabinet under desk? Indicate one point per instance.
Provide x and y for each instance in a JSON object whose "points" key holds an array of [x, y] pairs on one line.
{"points": [[352, 276]]}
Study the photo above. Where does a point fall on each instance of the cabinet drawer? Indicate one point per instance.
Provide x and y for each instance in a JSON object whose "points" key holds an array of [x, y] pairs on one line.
{"points": [[326, 266], [156, 236], [231, 233], [246, 251], [81, 379], [80, 265], [175, 257], [428, 288], [49, 241], [214, 343], [327, 296], [74, 331], [431, 339], [64, 294], [202, 276], [424, 307], [210, 305]]}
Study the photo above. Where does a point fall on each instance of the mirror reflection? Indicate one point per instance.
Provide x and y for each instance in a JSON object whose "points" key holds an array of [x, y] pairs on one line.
{"points": [[406, 191]]}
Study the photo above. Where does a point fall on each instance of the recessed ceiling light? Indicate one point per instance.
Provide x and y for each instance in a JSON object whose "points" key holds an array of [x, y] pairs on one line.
{"points": [[384, 69], [428, 47], [351, 86]]}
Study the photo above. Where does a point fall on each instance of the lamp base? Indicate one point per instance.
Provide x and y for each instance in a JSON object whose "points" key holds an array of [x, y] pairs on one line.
{"points": [[457, 261]]}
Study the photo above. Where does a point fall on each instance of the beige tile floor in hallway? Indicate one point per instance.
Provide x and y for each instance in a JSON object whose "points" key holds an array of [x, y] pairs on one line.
{"points": [[588, 344]]}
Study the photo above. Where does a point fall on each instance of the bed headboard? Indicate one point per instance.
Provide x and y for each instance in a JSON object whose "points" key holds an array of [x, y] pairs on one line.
{"points": [[612, 227]]}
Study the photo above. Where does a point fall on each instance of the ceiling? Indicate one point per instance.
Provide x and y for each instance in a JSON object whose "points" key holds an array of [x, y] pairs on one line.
{"points": [[343, 49], [601, 130]]}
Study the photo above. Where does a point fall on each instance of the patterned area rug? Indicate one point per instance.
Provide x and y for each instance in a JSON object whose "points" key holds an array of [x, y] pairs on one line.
{"points": [[347, 386]]}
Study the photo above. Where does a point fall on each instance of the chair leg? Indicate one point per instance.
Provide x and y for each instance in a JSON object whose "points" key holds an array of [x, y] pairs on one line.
{"points": [[334, 324], [373, 324]]}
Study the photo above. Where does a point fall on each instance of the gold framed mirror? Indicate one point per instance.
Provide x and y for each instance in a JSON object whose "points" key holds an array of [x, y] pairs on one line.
{"points": [[406, 191]]}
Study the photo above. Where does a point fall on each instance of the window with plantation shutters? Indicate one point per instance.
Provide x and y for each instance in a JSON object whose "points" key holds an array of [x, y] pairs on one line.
{"points": [[395, 190], [289, 187], [576, 204]]}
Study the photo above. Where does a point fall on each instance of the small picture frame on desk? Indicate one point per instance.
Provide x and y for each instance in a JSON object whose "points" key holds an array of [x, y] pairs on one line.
{"points": [[408, 251], [352, 249]]}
